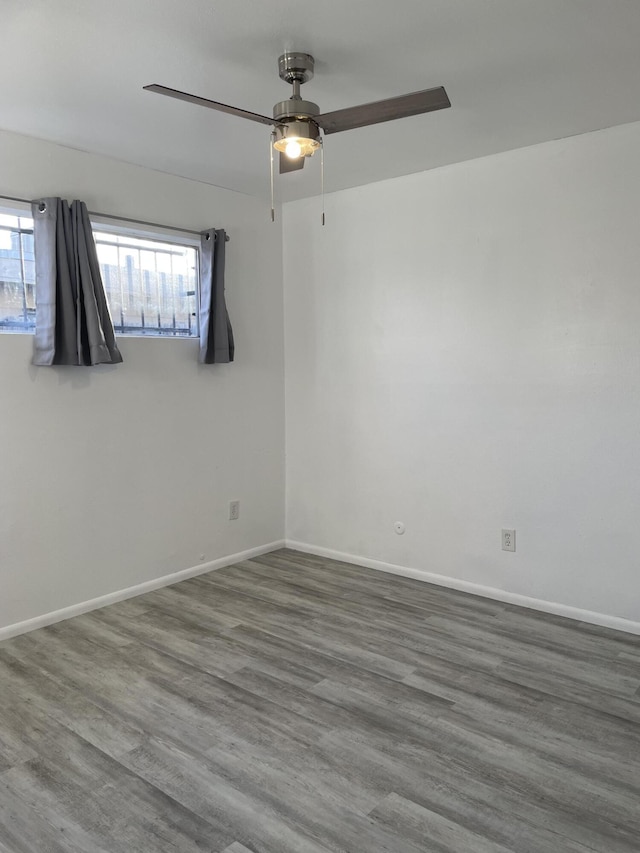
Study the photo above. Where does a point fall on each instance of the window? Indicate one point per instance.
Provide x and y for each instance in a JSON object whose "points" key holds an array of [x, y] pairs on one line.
{"points": [[150, 285], [150, 280], [17, 274]]}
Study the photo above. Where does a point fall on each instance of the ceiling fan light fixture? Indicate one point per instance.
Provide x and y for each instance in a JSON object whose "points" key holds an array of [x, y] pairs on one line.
{"points": [[297, 139], [297, 146]]}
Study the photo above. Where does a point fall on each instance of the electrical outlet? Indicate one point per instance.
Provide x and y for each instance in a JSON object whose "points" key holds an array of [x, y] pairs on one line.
{"points": [[234, 510], [508, 540]]}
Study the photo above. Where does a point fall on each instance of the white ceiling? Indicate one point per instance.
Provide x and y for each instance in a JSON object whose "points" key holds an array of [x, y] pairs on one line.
{"points": [[518, 72]]}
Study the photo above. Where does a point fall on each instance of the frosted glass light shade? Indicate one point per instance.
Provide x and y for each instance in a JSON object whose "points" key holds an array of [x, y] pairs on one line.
{"points": [[297, 139], [296, 146]]}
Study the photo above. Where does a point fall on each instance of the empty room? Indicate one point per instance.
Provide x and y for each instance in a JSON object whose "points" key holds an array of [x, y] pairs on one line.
{"points": [[320, 426]]}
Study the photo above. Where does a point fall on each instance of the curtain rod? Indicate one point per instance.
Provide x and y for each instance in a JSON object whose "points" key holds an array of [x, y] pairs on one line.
{"points": [[118, 218]]}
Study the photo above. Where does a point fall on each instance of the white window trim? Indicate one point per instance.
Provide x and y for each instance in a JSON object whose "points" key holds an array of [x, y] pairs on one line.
{"points": [[16, 208], [143, 232]]}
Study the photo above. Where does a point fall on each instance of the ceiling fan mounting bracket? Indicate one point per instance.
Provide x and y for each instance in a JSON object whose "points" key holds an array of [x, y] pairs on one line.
{"points": [[296, 67]]}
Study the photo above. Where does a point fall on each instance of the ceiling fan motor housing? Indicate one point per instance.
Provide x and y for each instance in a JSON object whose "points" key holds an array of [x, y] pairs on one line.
{"points": [[295, 109]]}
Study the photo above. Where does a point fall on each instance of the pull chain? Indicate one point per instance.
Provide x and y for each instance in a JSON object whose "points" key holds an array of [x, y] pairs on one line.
{"points": [[322, 174]]}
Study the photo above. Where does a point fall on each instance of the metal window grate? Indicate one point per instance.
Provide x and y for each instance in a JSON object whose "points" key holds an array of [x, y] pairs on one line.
{"points": [[150, 284], [17, 274]]}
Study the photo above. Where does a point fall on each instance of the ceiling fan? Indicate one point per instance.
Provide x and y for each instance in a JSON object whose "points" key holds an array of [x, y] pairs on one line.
{"points": [[297, 124]]}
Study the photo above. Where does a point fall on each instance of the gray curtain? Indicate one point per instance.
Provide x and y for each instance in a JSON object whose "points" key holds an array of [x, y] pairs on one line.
{"points": [[73, 324], [216, 334]]}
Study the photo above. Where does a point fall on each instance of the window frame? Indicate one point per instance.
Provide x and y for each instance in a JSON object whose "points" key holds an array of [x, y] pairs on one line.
{"points": [[116, 227]]}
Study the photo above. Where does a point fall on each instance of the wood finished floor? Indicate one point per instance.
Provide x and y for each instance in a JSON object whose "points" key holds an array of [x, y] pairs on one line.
{"points": [[292, 704]]}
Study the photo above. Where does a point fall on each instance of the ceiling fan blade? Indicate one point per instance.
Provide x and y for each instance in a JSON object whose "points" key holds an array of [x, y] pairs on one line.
{"points": [[287, 164], [205, 102], [412, 104]]}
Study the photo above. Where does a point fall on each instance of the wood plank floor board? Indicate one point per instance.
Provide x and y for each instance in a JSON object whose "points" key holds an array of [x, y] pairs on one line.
{"points": [[523, 710], [32, 710], [356, 595], [182, 598], [435, 832], [397, 589], [200, 782], [308, 771], [619, 773], [623, 678], [156, 635], [342, 646], [618, 677], [28, 823], [391, 632], [236, 847], [144, 685], [494, 632], [538, 770], [339, 820], [50, 796], [13, 750], [469, 792], [572, 688], [330, 645], [240, 604], [295, 704]]}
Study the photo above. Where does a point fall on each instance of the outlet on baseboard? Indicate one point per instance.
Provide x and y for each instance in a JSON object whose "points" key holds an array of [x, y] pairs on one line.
{"points": [[508, 540], [234, 510]]}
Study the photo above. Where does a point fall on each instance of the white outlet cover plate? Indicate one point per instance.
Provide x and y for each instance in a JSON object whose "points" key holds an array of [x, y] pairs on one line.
{"points": [[508, 539]]}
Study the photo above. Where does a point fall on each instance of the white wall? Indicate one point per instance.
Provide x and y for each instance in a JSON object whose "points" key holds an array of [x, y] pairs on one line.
{"points": [[114, 476], [463, 354]]}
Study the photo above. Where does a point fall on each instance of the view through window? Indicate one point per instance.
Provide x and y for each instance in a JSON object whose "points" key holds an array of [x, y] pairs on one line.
{"points": [[17, 274], [150, 284]]}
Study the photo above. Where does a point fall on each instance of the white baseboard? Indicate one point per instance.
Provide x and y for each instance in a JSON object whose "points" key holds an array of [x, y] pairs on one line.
{"points": [[593, 618], [131, 591], [575, 613]]}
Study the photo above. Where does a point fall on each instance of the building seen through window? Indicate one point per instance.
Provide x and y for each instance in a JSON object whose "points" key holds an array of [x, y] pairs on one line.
{"points": [[17, 274], [150, 285]]}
